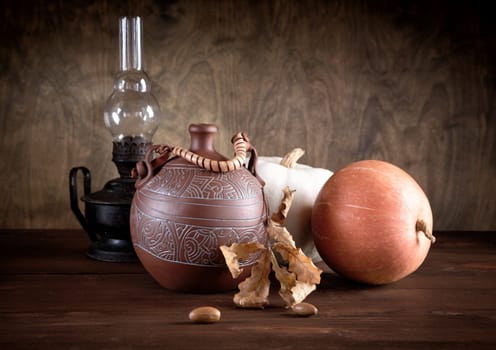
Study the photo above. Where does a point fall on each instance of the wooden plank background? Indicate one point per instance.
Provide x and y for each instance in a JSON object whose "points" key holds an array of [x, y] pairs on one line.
{"points": [[412, 83]]}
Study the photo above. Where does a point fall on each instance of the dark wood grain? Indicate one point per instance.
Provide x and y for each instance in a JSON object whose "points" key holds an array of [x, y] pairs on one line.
{"points": [[53, 297], [411, 83]]}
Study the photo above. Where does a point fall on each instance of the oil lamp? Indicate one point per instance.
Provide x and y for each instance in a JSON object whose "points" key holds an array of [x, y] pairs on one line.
{"points": [[132, 115]]}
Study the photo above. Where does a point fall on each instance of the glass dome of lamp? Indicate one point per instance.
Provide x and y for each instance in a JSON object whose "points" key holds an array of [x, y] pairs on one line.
{"points": [[132, 116]]}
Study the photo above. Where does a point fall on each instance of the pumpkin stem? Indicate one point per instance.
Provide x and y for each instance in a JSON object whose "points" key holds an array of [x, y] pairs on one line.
{"points": [[290, 159], [421, 226]]}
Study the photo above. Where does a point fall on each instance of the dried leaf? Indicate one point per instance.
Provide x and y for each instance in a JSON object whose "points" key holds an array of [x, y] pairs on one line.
{"points": [[279, 233], [254, 291], [297, 280], [287, 281], [282, 213], [301, 291], [293, 291], [237, 252], [299, 263]]}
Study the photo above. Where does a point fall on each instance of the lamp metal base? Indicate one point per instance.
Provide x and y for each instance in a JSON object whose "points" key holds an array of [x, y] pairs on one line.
{"points": [[112, 250]]}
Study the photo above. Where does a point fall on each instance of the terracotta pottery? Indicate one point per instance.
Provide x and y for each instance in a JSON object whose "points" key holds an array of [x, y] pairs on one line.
{"points": [[182, 213]]}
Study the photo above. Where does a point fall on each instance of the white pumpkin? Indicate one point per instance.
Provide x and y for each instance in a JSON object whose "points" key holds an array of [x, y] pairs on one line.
{"points": [[279, 172]]}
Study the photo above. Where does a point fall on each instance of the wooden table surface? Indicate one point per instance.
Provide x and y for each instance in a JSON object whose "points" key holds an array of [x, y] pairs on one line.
{"points": [[53, 297]]}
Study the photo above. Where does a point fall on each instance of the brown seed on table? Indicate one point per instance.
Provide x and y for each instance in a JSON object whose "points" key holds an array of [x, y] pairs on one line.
{"points": [[205, 314], [305, 309]]}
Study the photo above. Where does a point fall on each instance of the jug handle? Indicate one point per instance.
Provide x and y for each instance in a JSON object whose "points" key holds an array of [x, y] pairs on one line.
{"points": [[252, 165], [148, 167], [73, 190], [241, 144]]}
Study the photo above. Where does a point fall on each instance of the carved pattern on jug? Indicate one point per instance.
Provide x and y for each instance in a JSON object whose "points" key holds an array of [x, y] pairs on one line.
{"points": [[201, 184], [189, 244]]}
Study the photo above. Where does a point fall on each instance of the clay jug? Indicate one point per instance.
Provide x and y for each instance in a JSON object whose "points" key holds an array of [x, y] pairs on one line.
{"points": [[190, 202]]}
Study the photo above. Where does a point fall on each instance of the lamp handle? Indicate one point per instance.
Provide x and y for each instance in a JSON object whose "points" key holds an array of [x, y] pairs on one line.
{"points": [[73, 191]]}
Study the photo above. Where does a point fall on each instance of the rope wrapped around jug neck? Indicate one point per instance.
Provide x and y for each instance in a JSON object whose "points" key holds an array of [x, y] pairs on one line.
{"points": [[147, 168], [241, 145]]}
